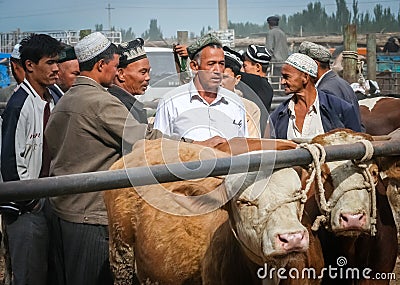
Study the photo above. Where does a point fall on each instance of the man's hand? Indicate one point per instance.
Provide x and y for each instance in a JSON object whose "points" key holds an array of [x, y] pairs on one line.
{"points": [[181, 50], [211, 142]]}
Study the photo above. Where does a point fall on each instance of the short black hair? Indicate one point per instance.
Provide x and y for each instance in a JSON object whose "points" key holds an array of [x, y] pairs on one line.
{"points": [[235, 69], [107, 55], [37, 46]]}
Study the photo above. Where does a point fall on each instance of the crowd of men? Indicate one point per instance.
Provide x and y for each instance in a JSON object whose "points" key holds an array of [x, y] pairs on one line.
{"points": [[74, 110]]}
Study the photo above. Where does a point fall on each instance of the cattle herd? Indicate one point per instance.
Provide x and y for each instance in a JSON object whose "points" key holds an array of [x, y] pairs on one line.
{"points": [[326, 223]]}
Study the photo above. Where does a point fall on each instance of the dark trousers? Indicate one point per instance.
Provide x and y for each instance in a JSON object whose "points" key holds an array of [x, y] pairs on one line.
{"points": [[78, 253], [27, 237]]}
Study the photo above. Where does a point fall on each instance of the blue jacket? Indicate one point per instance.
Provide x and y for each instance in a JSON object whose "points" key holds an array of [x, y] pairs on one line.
{"points": [[335, 113]]}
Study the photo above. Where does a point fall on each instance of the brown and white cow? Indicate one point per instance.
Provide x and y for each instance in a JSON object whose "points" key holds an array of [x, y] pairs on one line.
{"points": [[380, 115], [161, 242], [390, 174], [351, 237]]}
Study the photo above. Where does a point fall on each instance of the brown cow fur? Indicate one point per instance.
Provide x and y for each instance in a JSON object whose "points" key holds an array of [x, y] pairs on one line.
{"points": [[166, 247], [383, 118]]}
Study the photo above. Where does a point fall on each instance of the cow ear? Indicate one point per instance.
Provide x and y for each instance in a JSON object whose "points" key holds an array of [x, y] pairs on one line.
{"points": [[374, 170]]}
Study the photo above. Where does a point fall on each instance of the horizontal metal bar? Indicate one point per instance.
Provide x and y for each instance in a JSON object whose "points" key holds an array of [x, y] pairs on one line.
{"points": [[139, 176]]}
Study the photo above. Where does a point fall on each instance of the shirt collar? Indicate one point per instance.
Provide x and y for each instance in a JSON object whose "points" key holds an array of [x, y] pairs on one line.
{"points": [[313, 108], [194, 95], [319, 80]]}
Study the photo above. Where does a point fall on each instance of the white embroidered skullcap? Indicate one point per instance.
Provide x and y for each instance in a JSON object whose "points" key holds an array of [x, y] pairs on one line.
{"points": [[15, 53], [303, 63], [91, 46]]}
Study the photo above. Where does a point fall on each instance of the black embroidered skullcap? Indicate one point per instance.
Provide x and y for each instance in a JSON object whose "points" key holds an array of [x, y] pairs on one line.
{"points": [[131, 51], [315, 51], [273, 20], [232, 58], [67, 53], [258, 54], [199, 44]]}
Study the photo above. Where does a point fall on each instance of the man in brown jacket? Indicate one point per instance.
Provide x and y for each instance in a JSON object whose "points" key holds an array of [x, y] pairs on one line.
{"points": [[88, 131]]}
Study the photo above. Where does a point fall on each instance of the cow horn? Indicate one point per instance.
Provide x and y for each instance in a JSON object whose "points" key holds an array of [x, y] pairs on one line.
{"points": [[381, 138]]}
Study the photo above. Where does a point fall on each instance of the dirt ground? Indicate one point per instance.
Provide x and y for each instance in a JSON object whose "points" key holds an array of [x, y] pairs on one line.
{"points": [[392, 282]]}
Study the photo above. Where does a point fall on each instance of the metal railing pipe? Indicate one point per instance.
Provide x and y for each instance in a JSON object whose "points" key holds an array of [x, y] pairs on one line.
{"points": [[139, 176]]}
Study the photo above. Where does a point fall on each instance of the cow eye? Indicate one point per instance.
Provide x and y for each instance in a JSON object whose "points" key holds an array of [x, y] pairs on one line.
{"points": [[244, 202]]}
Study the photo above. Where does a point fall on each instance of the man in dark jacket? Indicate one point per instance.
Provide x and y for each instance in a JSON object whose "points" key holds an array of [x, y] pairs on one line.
{"points": [[327, 79], [308, 112], [255, 64], [133, 77]]}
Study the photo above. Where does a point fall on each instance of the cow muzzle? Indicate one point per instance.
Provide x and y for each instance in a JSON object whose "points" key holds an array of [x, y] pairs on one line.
{"points": [[291, 242]]}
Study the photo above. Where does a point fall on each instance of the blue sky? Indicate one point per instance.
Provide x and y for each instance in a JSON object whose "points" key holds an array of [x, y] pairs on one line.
{"points": [[172, 15]]}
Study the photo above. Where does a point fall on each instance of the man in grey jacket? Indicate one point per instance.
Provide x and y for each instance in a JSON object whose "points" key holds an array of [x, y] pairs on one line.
{"points": [[276, 43]]}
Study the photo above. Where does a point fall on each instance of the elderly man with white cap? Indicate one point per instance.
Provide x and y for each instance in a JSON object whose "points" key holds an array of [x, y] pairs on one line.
{"points": [[308, 112]]}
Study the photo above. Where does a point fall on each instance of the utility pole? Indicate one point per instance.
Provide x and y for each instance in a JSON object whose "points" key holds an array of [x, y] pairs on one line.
{"points": [[223, 15], [109, 15]]}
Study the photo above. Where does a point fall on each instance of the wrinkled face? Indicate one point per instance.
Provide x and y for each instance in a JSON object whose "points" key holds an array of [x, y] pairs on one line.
{"points": [[135, 77], [209, 68], [109, 70], [351, 214], [265, 224], [292, 79], [45, 72], [67, 73]]}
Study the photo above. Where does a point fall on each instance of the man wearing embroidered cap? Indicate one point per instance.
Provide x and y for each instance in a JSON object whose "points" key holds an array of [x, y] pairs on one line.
{"points": [[256, 60], [68, 70], [308, 112], [84, 133], [231, 78], [201, 108], [133, 77], [88, 131], [327, 79]]}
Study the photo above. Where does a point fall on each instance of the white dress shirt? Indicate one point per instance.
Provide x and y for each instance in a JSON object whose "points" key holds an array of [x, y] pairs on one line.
{"points": [[183, 112]]}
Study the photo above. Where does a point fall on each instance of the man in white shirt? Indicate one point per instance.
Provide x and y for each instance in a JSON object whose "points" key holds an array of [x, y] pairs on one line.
{"points": [[201, 108]]}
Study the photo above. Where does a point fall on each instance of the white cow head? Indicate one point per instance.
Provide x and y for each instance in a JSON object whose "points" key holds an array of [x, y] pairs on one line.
{"points": [[265, 222], [347, 189]]}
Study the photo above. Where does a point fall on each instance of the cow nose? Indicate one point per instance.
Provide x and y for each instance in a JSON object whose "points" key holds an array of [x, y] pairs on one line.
{"points": [[292, 241], [353, 221]]}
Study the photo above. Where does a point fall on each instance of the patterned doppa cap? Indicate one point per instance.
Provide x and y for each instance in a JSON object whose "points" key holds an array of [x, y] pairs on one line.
{"points": [[315, 51], [258, 54], [199, 44], [131, 51], [91, 46], [303, 63], [67, 53], [232, 58]]}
